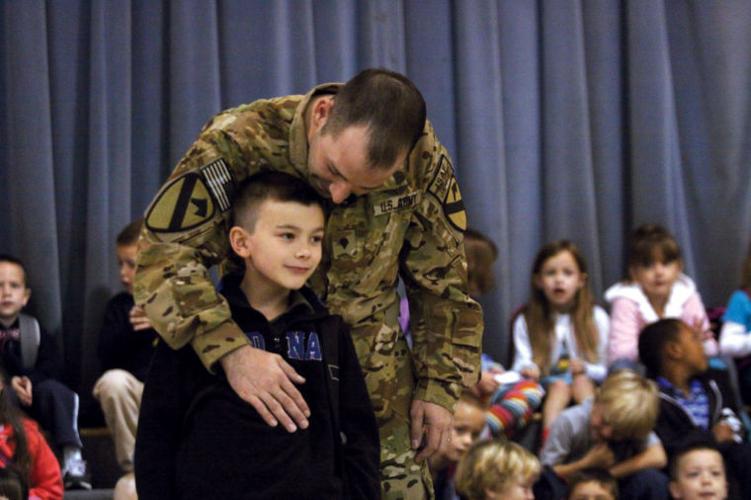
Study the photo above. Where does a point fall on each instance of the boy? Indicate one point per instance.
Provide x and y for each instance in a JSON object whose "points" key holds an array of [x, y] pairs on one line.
{"points": [[612, 431], [126, 345], [198, 439], [469, 422], [593, 484], [31, 359], [697, 472], [694, 400]]}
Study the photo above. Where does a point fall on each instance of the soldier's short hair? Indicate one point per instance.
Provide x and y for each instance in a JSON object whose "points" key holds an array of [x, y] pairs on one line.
{"points": [[386, 102], [129, 234], [630, 404], [269, 185]]}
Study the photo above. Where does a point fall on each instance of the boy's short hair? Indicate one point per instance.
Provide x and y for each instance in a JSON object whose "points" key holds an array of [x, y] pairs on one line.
{"points": [[652, 341], [492, 465], [269, 185], [692, 442], [630, 404], [600, 476], [15, 260], [130, 233]]}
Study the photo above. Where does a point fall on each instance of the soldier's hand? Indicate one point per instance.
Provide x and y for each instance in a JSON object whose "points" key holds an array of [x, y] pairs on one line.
{"points": [[265, 381], [430, 428]]}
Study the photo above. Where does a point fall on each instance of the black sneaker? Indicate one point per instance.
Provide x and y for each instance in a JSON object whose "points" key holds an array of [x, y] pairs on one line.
{"points": [[76, 477]]}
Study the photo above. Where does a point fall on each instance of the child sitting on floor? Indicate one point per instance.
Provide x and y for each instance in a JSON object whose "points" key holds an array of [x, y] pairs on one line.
{"points": [[593, 484], [655, 288], [613, 430], [697, 472], [469, 421], [560, 336], [497, 470], [694, 400], [31, 358]]}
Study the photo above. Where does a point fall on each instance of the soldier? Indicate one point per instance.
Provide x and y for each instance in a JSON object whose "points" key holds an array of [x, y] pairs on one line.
{"points": [[395, 211]]}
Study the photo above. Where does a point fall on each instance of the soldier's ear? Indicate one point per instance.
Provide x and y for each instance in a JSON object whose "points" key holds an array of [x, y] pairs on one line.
{"points": [[321, 111], [239, 240]]}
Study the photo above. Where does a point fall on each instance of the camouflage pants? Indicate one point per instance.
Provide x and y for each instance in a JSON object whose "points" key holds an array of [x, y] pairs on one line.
{"points": [[389, 376]]}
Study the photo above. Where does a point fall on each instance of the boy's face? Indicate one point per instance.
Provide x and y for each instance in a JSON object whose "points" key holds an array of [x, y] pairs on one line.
{"points": [[13, 292], [657, 279], [126, 263], [591, 490], [284, 248], [469, 421], [691, 350], [598, 425], [700, 475], [516, 489], [560, 279]]}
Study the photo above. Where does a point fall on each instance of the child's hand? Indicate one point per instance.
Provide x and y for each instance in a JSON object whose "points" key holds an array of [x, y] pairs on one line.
{"points": [[600, 456], [723, 433], [577, 367], [530, 372], [487, 384], [138, 319], [22, 386]]}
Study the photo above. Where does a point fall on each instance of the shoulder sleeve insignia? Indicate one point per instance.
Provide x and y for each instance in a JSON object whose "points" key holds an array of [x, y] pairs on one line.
{"points": [[446, 189], [191, 199]]}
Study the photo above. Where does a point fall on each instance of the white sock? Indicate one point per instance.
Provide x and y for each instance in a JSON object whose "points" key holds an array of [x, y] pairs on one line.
{"points": [[70, 453]]}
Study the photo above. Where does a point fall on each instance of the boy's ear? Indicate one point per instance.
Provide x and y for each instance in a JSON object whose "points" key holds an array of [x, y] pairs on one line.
{"points": [[26, 295], [673, 349], [239, 240], [675, 490]]}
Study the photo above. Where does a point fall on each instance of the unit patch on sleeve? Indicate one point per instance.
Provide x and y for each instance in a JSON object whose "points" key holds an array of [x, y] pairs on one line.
{"points": [[446, 189], [191, 199]]}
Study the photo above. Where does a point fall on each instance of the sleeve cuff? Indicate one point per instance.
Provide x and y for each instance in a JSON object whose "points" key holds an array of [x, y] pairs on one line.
{"points": [[213, 345], [444, 394]]}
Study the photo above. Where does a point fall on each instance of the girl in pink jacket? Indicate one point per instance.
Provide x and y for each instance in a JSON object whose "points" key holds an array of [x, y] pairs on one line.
{"points": [[655, 288]]}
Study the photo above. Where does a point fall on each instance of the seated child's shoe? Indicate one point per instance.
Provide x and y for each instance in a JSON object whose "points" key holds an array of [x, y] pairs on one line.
{"points": [[75, 476]]}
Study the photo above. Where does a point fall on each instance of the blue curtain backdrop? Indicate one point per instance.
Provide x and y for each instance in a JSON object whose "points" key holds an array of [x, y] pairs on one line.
{"points": [[565, 118]]}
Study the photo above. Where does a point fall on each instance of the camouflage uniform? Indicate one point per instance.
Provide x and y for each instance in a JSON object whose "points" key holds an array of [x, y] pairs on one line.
{"points": [[411, 227]]}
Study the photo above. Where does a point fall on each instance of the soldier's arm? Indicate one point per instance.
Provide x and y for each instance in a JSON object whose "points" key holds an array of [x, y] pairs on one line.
{"points": [[446, 323], [185, 234]]}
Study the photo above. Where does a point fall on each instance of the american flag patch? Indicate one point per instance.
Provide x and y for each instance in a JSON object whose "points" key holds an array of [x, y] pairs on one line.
{"points": [[219, 180]]}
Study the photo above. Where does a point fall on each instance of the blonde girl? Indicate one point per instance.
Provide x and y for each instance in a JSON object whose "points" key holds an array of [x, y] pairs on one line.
{"points": [[560, 337]]}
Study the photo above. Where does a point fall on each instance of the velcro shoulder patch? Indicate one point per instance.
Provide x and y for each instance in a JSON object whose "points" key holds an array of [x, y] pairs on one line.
{"points": [[192, 199], [446, 189]]}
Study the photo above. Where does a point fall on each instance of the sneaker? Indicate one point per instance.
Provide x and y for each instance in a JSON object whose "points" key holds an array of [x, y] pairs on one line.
{"points": [[76, 477]]}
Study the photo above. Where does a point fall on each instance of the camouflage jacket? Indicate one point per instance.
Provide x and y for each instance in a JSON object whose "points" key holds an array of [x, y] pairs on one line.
{"points": [[411, 227]]}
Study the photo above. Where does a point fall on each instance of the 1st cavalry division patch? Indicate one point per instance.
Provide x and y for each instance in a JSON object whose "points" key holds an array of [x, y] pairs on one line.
{"points": [[191, 199], [446, 189]]}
